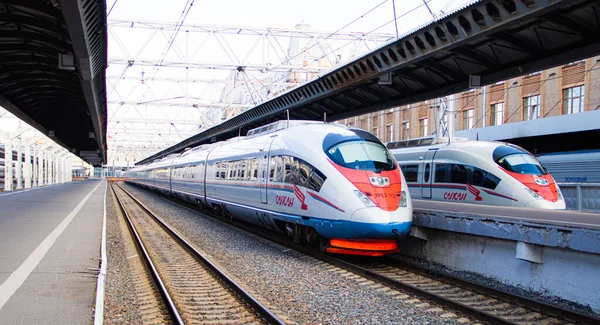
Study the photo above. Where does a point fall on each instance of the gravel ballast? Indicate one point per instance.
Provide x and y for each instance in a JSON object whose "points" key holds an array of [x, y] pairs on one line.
{"points": [[299, 288]]}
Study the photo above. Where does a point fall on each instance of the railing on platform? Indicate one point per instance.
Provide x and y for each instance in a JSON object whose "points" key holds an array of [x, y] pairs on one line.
{"points": [[581, 196]]}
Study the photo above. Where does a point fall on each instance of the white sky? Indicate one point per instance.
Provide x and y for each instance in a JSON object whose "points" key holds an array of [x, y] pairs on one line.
{"points": [[327, 15], [322, 15]]}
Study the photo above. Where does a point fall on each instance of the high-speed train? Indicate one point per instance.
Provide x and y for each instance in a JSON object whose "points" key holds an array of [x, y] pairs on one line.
{"points": [[582, 166], [319, 183], [480, 172]]}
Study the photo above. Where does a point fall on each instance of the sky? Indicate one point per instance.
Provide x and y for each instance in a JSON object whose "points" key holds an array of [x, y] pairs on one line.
{"points": [[322, 15], [328, 15]]}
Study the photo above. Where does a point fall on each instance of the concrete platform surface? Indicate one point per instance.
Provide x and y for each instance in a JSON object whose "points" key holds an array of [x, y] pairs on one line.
{"points": [[49, 248]]}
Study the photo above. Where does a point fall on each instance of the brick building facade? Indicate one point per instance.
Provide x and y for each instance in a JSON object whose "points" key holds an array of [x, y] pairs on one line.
{"points": [[567, 89]]}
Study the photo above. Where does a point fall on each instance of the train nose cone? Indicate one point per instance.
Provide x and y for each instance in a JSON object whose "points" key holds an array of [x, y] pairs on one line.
{"points": [[543, 204], [377, 223]]}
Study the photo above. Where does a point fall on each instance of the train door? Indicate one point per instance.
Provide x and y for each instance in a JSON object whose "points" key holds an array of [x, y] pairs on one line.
{"points": [[427, 168], [263, 170]]}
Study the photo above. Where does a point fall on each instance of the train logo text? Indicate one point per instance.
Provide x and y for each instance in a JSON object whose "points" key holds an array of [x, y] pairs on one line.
{"points": [[453, 196], [286, 201]]}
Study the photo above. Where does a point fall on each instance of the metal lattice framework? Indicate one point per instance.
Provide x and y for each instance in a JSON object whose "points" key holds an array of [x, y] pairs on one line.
{"points": [[487, 41], [159, 94]]}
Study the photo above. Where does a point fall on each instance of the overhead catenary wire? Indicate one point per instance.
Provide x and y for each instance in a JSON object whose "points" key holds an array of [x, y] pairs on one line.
{"points": [[339, 48], [111, 8], [180, 21]]}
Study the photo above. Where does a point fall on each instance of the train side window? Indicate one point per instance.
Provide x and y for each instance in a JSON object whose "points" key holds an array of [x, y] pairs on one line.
{"points": [[278, 169], [287, 166], [478, 176], [410, 172], [440, 173], [272, 169], [293, 176], [304, 171], [316, 180], [491, 181], [458, 174], [426, 174]]}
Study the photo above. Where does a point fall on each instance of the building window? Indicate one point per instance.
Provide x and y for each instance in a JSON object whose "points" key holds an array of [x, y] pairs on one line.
{"points": [[573, 100], [531, 108], [497, 114], [376, 132], [390, 132], [405, 130], [468, 118], [423, 127]]}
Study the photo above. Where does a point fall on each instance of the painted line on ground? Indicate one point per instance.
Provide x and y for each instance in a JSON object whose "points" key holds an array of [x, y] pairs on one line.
{"points": [[18, 277]]}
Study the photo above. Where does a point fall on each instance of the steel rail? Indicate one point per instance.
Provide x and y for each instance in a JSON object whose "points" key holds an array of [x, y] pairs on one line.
{"points": [[158, 280], [549, 309], [245, 295]]}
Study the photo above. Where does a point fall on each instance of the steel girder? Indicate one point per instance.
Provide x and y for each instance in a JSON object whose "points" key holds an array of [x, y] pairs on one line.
{"points": [[70, 101], [493, 39]]}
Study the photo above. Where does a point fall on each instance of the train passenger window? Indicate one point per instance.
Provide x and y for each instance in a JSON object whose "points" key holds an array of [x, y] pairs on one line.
{"points": [[491, 181], [440, 173], [410, 172], [304, 171], [478, 176], [315, 181], [278, 177], [458, 174], [272, 167], [292, 177], [426, 174]]}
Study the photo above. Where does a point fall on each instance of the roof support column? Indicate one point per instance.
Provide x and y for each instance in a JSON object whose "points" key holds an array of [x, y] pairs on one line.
{"points": [[34, 167], [27, 168], [55, 177], [49, 173], [42, 169], [19, 164], [8, 166], [70, 170], [452, 113]]}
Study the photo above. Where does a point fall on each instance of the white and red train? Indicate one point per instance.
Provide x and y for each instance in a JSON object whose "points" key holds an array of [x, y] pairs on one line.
{"points": [[316, 182], [480, 172]]}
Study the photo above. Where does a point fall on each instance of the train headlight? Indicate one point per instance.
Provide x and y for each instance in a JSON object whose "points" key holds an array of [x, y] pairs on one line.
{"points": [[380, 181], [560, 196], [534, 194], [364, 199], [403, 199]]}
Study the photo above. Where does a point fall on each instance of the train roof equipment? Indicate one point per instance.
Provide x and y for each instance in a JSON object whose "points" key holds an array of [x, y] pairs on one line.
{"points": [[422, 142]]}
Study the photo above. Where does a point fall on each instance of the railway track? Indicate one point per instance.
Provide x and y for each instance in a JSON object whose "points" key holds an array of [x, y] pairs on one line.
{"points": [[194, 290], [478, 302]]}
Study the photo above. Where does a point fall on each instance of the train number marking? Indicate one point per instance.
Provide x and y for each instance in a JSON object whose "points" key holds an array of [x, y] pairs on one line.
{"points": [[286, 201], [384, 195], [453, 196]]}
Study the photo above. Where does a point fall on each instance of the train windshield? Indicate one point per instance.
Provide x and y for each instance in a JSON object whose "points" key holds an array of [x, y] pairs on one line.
{"points": [[362, 155], [518, 160]]}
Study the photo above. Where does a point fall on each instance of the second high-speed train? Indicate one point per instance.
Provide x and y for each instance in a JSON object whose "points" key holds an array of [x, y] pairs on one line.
{"points": [[479, 172], [316, 182]]}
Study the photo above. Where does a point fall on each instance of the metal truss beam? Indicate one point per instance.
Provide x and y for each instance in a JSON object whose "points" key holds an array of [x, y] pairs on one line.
{"points": [[471, 41], [213, 72], [251, 31]]}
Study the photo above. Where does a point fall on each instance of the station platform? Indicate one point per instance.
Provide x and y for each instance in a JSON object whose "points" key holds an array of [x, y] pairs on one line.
{"points": [[50, 241]]}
